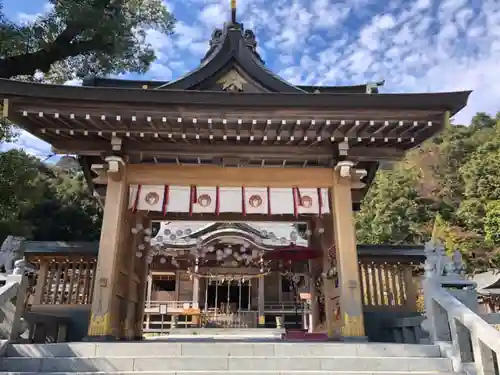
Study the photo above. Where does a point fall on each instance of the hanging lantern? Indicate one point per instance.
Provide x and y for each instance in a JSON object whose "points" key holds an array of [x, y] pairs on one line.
{"points": [[147, 239], [138, 254], [141, 246], [147, 231], [163, 260], [134, 230]]}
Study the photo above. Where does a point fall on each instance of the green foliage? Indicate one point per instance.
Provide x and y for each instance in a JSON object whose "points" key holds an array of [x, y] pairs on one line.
{"points": [[449, 188], [45, 203], [19, 178], [83, 37]]}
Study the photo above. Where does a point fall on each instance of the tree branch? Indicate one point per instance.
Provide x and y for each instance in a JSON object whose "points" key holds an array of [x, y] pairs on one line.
{"points": [[60, 49], [43, 59]]}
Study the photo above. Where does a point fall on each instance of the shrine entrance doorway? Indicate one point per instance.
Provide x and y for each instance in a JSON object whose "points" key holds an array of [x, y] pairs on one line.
{"points": [[137, 195], [227, 295]]}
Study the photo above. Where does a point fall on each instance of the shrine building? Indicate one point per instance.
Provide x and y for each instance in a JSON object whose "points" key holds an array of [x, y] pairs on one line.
{"points": [[230, 142]]}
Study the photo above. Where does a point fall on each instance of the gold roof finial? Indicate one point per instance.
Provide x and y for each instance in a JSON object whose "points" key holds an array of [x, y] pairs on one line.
{"points": [[233, 11]]}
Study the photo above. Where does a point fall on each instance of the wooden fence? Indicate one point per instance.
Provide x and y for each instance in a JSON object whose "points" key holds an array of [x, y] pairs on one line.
{"points": [[388, 286], [71, 282], [64, 282]]}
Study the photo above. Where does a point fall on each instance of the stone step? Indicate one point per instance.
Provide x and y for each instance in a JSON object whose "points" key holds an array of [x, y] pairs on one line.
{"points": [[227, 364], [232, 373], [221, 349]]}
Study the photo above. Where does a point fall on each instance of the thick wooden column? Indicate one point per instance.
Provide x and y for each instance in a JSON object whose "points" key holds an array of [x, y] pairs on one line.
{"points": [[40, 282], [106, 311], [347, 258], [141, 275], [135, 268]]}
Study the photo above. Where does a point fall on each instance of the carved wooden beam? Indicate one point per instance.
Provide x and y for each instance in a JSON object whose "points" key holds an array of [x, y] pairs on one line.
{"points": [[243, 151]]}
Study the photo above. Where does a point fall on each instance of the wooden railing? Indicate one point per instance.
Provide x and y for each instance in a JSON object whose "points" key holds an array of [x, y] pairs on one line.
{"points": [[388, 287], [66, 282]]}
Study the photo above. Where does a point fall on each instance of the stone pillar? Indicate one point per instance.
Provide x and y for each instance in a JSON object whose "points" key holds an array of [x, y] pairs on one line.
{"points": [[346, 252], [105, 313], [261, 301]]}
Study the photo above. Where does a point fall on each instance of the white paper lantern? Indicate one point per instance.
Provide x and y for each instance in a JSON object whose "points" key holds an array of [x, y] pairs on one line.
{"points": [[138, 254], [134, 230], [163, 260], [147, 231], [141, 246], [147, 239], [293, 236]]}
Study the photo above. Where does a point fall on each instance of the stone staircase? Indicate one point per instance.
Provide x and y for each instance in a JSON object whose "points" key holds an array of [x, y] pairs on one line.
{"points": [[229, 358]]}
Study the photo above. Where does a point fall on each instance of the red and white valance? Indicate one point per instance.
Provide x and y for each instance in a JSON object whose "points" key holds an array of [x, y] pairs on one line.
{"points": [[216, 200]]}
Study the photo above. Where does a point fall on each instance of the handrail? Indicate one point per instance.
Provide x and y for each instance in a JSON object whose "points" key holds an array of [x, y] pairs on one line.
{"points": [[15, 285], [477, 326], [450, 301]]}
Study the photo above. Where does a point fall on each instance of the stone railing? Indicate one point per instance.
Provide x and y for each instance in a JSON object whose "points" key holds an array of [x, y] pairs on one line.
{"points": [[15, 285], [451, 315]]}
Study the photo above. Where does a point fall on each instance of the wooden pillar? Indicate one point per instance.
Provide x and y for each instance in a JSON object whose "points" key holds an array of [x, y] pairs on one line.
{"points": [[324, 237], [196, 290], [42, 274], [141, 271], [106, 314], [314, 271], [346, 253], [136, 278], [261, 301]]}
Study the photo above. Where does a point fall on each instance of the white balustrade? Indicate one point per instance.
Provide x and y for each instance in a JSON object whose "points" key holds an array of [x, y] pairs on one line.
{"points": [[15, 286], [451, 315]]}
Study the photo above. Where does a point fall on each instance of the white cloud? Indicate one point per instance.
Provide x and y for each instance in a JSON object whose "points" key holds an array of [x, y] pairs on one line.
{"points": [[417, 46]]}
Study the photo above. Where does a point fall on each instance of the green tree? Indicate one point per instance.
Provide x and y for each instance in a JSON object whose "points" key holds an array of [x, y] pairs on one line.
{"points": [[74, 212], [393, 211], [451, 182], [19, 189], [83, 37]]}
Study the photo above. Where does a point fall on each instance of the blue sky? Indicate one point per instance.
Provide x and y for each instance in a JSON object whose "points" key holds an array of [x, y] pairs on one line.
{"points": [[415, 45]]}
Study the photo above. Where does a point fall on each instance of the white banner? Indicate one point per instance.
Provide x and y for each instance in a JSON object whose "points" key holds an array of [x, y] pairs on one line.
{"points": [[205, 199], [150, 198], [256, 201]]}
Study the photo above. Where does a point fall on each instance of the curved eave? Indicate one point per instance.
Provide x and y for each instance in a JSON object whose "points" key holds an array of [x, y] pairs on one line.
{"points": [[446, 101], [232, 50]]}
